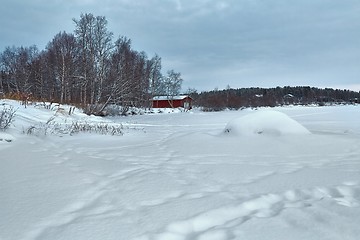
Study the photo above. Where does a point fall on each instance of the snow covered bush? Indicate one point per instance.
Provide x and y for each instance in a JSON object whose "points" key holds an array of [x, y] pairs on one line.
{"points": [[265, 122], [43, 129], [99, 128], [7, 115], [53, 128]]}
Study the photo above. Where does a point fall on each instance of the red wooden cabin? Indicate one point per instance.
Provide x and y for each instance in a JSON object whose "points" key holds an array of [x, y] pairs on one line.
{"points": [[172, 102]]}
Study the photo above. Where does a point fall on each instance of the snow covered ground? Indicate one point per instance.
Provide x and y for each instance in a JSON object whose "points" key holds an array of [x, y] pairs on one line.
{"points": [[185, 176]]}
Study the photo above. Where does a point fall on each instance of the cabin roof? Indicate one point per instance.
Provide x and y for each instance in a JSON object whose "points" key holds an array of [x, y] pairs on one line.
{"points": [[165, 98]]}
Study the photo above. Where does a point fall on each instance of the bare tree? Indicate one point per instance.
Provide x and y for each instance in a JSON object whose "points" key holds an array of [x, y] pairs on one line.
{"points": [[16, 64], [40, 90], [170, 85], [95, 47], [62, 54], [155, 75], [85, 65], [172, 82], [122, 84]]}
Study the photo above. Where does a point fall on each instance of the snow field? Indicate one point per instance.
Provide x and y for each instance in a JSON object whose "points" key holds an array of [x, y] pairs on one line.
{"points": [[181, 177]]}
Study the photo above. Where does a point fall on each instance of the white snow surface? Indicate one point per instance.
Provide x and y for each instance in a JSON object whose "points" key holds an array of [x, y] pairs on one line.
{"points": [[179, 177]]}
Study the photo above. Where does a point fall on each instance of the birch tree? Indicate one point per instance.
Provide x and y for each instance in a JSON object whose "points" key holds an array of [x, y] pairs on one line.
{"points": [[94, 41], [155, 75], [172, 83], [62, 53]]}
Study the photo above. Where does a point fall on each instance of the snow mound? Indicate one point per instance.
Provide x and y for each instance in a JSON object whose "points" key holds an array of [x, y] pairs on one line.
{"points": [[265, 122], [4, 137]]}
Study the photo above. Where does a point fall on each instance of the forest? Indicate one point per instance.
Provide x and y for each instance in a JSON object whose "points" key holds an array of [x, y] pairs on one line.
{"points": [[86, 68], [218, 100]]}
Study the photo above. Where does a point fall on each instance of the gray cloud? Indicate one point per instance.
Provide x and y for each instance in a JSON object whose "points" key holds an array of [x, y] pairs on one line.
{"points": [[242, 43]]}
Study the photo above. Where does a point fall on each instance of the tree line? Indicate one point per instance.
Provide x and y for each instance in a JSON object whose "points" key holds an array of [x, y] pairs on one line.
{"points": [[87, 68], [229, 98]]}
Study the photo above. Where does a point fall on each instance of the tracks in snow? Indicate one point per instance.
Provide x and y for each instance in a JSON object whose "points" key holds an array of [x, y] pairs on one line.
{"points": [[218, 223]]}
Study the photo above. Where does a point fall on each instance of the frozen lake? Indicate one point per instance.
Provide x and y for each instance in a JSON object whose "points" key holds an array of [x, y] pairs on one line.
{"points": [[180, 176]]}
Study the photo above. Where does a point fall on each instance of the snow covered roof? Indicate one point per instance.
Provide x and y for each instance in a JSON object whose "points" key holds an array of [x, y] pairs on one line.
{"points": [[180, 97], [289, 95]]}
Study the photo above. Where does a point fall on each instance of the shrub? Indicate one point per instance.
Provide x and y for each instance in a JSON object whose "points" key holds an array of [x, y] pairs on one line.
{"points": [[99, 128], [53, 128], [7, 115]]}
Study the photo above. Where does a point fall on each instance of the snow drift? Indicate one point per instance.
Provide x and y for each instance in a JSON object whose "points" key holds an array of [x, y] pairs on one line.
{"points": [[265, 122]]}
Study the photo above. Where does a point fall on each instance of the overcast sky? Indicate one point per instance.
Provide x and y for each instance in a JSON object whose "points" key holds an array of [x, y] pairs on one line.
{"points": [[214, 43]]}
